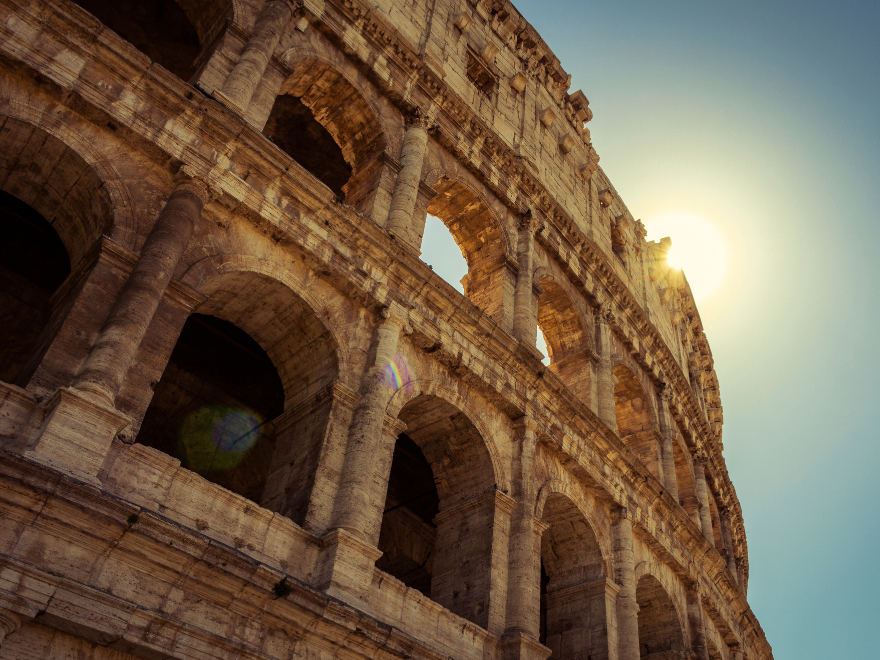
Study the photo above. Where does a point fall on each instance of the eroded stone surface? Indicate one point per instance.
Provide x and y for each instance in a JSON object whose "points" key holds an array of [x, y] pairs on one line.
{"points": [[251, 423]]}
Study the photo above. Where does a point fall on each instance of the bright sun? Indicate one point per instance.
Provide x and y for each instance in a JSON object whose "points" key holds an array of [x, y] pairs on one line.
{"points": [[697, 248]]}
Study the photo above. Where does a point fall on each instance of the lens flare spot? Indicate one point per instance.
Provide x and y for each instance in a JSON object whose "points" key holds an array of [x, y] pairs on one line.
{"points": [[396, 373], [218, 437]]}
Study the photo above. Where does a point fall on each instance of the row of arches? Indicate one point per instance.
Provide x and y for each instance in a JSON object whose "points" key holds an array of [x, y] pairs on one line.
{"points": [[240, 403]]}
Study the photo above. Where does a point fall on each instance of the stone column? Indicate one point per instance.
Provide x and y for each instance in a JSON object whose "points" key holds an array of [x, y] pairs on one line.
{"points": [[727, 537], [523, 313], [244, 78], [406, 188], [524, 567], [695, 623], [703, 497], [667, 429], [623, 559], [81, 421], [357, 511], [605, 378], [742, 575], [108, 362]]}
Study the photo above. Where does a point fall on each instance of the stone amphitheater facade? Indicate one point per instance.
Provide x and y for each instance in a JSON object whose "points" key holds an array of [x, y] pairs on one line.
{"points": [[241, 418]]}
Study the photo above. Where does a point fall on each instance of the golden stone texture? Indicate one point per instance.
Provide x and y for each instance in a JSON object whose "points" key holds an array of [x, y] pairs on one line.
{"points": [[244, 420]]}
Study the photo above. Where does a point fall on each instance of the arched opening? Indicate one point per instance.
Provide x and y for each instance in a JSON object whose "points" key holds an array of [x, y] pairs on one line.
{"points": [[567, 342], [439, 514], [324, 123], [573, 584], [659, 626], [489, 282], [170, 33], [33, 264], [635, 420], [687, 493], [243, 399], [441, 252], [53, 210]]}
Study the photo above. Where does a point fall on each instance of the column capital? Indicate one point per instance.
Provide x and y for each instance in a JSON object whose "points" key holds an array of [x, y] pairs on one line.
{"points": [[525, 422], [605, 314], [418, 118], [529, 222], [397, 314], [393, 426], [666, 393], [621, 513], [187, 179]]}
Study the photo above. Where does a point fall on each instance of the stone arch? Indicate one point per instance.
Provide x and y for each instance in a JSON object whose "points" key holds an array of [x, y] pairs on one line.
{"points": [[418, 388], [565, 331], [636, 420], [303, 285], [684, 475], [112, 195], [271, 341], [440, 512], [483, 240], [174, 33], [574, 572], [55, 209], [325, 121], [661, 624]]}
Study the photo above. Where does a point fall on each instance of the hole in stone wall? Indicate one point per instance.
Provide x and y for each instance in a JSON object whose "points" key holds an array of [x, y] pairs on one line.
{"points": [[158, 28], [33, 264], [213, 406], [293, 127], [408, 532], [480, 76]]}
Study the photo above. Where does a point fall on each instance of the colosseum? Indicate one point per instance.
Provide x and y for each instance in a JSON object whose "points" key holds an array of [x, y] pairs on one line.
{"points": [[241, 418]]}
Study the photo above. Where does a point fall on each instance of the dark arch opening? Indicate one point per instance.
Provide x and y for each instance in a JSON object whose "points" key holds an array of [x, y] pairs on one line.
{"points": [[567, 341], [293, 127], [213, 406], [659, 627], [158, 28], [573, 619], [439, 512], [408, 535], [33, 264]]}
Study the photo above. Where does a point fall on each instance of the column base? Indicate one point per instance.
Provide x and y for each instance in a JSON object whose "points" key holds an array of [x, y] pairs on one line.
{"points": [[76, 434], [228, 103], [346, 565], [522, 646]]}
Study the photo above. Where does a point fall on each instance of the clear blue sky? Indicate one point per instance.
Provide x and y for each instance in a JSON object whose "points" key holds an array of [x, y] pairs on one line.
{"points": [[764, 119]]}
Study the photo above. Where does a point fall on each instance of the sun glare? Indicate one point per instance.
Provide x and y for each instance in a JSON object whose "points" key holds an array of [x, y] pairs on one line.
{"points": [[698, 249]]}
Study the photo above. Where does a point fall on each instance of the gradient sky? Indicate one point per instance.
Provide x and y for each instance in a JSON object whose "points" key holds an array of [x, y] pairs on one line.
{"points": [[763, 118]]}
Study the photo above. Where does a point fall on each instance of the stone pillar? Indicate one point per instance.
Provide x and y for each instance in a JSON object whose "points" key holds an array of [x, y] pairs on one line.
{"points": [[605, 378], [523, 313], [244, 78], [742, 575], [524, 567], [736, 652], [667, 429], [81, 421], [727, 537], [108, 362], [357, 510], [695, 623], [406, 188], [623, 559], [703, 497], [15, 611]]}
